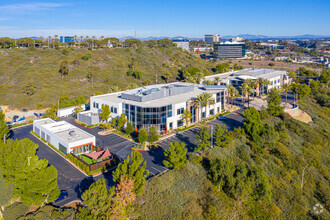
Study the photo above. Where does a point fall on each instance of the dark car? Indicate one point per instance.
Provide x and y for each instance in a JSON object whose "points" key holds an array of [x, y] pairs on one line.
{"points": [[63, 195], [222, 118]]}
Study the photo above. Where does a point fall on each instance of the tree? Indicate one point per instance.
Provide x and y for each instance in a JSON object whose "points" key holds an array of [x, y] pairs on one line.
{"points": [[303, 90], [222, 67], [167, 76], [274, 102], [4, 129], [134, 167], [153, 134], [220, 136], [252, 123], [122, 120], [207, 82], [186, 116], [114, 122], [91, 72], [244, 88], [64, 68], [77, 109], [217, 80], [34, 180], [129, 128], [105, 114], [97, 198], [123, 199], [147, 82], [286, 88], [232, 91], [203, 138], [143, 136], [176, 156]]}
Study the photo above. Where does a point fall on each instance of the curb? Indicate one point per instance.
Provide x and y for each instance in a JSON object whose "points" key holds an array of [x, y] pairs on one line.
{"points": [[61, 155], [81, 125]]}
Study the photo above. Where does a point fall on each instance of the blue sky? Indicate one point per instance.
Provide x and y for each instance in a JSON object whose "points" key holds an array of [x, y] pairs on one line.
{"points": [[163, 17]]}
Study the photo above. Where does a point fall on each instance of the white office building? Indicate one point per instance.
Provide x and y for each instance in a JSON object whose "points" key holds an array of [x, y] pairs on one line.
{"points": [[276, 77], [160, 105], [64, 136], [212, 38]]}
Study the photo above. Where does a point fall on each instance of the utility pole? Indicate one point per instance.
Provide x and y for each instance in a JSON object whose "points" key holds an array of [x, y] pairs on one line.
{"points": [[156, 79]]}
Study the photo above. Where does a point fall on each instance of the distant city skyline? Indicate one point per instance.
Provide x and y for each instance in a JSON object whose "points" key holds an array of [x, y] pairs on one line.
{"points": [[21, 18]]}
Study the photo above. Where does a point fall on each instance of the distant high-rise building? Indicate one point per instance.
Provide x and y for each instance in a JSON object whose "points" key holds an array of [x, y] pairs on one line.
{"points": [[229, 50], [183, 43], [65, 39], [212, 38]]}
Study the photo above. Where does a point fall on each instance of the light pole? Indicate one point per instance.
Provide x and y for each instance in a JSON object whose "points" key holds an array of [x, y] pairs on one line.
{"points": [[29, 160], [4, 138]]}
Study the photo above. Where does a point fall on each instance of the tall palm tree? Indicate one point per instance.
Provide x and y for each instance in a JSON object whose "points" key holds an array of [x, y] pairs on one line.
{"points": [[208, 100], [260, 82], [286, 88], [93, 38], [253, 86], [167, 76], [86, 39], [55, 39], [81, 38], [198, 77], [75, 39], [207, 82], [243, 88], [267, 83], [49, 37], [249, 82], [197, 103], [230, 90], [217, 80], [292, 75]]}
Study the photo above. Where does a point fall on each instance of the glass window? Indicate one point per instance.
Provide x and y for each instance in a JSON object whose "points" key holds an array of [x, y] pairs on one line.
{"points": [[115, 110], [211, 111]]}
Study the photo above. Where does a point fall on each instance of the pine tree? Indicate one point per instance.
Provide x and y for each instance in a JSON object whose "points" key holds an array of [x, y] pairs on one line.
{"points": [[134, 167], [203, 138], [219, 135], [176, 156], [4, 129], [274, 102], [121, 206], [97, 198]]}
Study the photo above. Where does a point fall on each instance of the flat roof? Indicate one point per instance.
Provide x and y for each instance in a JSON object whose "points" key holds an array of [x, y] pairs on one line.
{"points": [[174, 99], [250, 73], [64, 130]]}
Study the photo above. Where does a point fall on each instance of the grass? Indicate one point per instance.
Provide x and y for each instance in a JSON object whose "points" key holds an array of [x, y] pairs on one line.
{"points": [[87, 159], [38, 70]]}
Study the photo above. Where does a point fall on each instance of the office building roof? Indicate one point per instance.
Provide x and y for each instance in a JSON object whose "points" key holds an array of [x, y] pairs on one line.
{"points": [[250, 73], [64, 130], [159, 95]]}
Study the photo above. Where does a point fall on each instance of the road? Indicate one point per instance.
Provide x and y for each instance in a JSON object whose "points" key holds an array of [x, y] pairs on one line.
{"points": [[76, 182]]}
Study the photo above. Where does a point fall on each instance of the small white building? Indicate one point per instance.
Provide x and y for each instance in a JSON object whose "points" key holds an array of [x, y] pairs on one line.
{"points": [[64, 112], [64, 136]]}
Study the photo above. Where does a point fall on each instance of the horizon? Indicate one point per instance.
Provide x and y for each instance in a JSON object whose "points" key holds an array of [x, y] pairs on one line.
{"points": [[155, 19]]}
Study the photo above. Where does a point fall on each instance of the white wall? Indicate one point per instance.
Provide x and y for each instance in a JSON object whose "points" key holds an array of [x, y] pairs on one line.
{"points": [[68, 111]]}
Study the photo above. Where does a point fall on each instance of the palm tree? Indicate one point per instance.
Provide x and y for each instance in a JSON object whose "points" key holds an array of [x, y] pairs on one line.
{"points": [[243, 89], [197, 103], [207, 82], [208, 100], [230, 90], [81, 38], [267, 83], [86, 39], [198, 77], [93, 38], [286, 88], [249, 82], [75, 39], [253, 86], [55, 39], [260, 82], [217, 80], [292, 75]]}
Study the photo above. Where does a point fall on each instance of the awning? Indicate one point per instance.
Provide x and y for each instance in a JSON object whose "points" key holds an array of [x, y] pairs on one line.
{"points": [[106, 154], [95, 155]]}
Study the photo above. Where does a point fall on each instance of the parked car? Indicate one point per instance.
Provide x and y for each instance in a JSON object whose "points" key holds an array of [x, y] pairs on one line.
{"points": [[222, 118], [64, 194]]}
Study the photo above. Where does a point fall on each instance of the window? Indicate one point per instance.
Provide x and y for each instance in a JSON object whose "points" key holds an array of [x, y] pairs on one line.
{"points": [[94, 105], [218, 109], [180, 123], [97, 105], [180, 111], [62, 148], [111, 109], [218, 97], [115, 110], [211, 111]]}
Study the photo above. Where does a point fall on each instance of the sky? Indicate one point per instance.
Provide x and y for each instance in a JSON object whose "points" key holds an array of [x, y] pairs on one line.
{"points": [[158, 18]]}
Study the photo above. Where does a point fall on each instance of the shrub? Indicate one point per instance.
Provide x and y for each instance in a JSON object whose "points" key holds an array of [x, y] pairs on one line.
{"points": [[15, 211]]}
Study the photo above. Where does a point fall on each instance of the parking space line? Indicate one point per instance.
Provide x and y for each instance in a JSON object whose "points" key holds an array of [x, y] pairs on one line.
{"points": [[156, 169]]}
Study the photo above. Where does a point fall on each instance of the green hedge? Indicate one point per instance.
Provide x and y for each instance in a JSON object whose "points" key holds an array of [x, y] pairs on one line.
{"points": [[35, 134]]}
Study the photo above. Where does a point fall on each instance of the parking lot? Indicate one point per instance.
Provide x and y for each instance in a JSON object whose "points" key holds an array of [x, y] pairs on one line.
{"points": [[76, 182]]}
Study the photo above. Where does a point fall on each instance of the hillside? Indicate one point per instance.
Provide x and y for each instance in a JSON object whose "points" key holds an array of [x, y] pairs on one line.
{"points": [[30, 78]]}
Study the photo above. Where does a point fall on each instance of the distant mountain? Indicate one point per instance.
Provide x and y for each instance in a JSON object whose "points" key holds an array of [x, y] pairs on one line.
{"points": [[263, 37]]}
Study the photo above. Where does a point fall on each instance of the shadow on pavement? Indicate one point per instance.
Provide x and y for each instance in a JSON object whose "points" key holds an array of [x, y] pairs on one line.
{"points": [[83, 185]]}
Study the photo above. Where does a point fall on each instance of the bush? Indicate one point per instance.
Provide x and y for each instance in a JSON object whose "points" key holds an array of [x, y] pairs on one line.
{"points": [[15, 211]]}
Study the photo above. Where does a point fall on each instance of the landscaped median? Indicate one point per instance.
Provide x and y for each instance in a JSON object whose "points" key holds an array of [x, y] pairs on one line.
{"points": [[85, 125], [85, 164], [141, 147]]}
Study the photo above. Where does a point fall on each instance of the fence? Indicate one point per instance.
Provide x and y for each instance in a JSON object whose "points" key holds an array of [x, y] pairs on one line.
{"points": [[96, 165]]}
